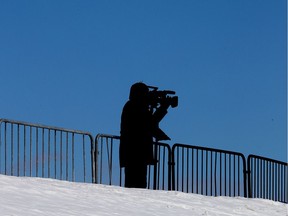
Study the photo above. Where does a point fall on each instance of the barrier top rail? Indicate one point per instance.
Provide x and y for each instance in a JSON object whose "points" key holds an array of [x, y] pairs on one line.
{"points": [[207, 149], [46, 127], [107, 136], [267, 159]]}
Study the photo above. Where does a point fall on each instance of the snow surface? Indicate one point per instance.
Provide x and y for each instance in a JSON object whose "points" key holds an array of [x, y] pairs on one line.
{"points": [[38, 196]]}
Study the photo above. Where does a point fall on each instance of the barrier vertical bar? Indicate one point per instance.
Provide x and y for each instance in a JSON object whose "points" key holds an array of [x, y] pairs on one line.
{"points": [[220, 167], [163, 170], [37, 152], [215, 170], [202, 171], [192, 167], [73, 157], [234, 176], [84, 157], [5, 149], [158, 168], [197, 184], [12, 150], [43, 160], [211, 173], [49, 154], [67, 155], [30, 157], [61, 155], [55, 154], [18, 150], [24, 150], [230, 175], [206, 173], [187, 170]]}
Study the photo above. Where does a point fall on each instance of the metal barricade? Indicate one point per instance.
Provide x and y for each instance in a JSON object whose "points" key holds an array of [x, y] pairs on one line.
{"points": [[107, 163], [208, 171], [36, 150], [267, 178]]}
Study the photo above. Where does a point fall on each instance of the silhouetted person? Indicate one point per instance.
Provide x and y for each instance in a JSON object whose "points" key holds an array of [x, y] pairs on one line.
{"points": [[138, 126]]}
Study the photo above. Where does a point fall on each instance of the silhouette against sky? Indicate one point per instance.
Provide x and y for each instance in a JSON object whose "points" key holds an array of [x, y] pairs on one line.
{"points": [[71, 63]]}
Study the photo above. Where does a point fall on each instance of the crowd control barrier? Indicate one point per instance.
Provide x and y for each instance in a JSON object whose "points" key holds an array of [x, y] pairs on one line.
{"points": [[267, 178], [208, 171], [43, 151], [37, 150], [107, 163]]}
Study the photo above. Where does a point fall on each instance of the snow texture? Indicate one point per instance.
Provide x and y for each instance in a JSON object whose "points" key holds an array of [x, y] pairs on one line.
{"points": [[37, 196]]}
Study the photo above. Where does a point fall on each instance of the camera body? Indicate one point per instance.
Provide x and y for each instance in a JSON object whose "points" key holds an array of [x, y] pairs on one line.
{"points": [[157, 98], [160, 101]]}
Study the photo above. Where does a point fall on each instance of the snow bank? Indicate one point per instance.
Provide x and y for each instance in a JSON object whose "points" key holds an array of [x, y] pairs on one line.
{"points": [[37, 196]]}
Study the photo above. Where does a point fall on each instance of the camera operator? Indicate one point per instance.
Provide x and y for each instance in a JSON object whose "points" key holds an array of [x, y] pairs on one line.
{"points": [[138, 127]]}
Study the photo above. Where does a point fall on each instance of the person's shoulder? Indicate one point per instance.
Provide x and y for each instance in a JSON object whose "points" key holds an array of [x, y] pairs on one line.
{"points": [[128, 105], [133, 106]]}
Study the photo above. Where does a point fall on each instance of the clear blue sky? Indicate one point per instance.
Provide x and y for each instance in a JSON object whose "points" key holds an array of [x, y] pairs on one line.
{"points": [[71, 64]]}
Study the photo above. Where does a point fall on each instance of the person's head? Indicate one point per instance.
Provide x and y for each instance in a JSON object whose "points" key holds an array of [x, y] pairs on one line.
{"points": [[139, 92]]}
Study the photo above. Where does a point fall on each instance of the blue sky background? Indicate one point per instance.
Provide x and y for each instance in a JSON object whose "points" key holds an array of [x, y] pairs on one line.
{"points": [[71, 64]]}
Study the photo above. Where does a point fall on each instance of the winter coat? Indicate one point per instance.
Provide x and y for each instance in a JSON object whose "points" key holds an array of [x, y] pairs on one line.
{"points": [[136, 136]]}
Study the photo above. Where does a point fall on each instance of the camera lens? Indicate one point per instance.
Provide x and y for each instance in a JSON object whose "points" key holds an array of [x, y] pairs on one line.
{"points": [[174, 101]]}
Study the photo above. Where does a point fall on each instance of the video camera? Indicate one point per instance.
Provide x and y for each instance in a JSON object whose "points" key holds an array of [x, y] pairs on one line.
{"points": [[162, 100], [157, 98]]}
